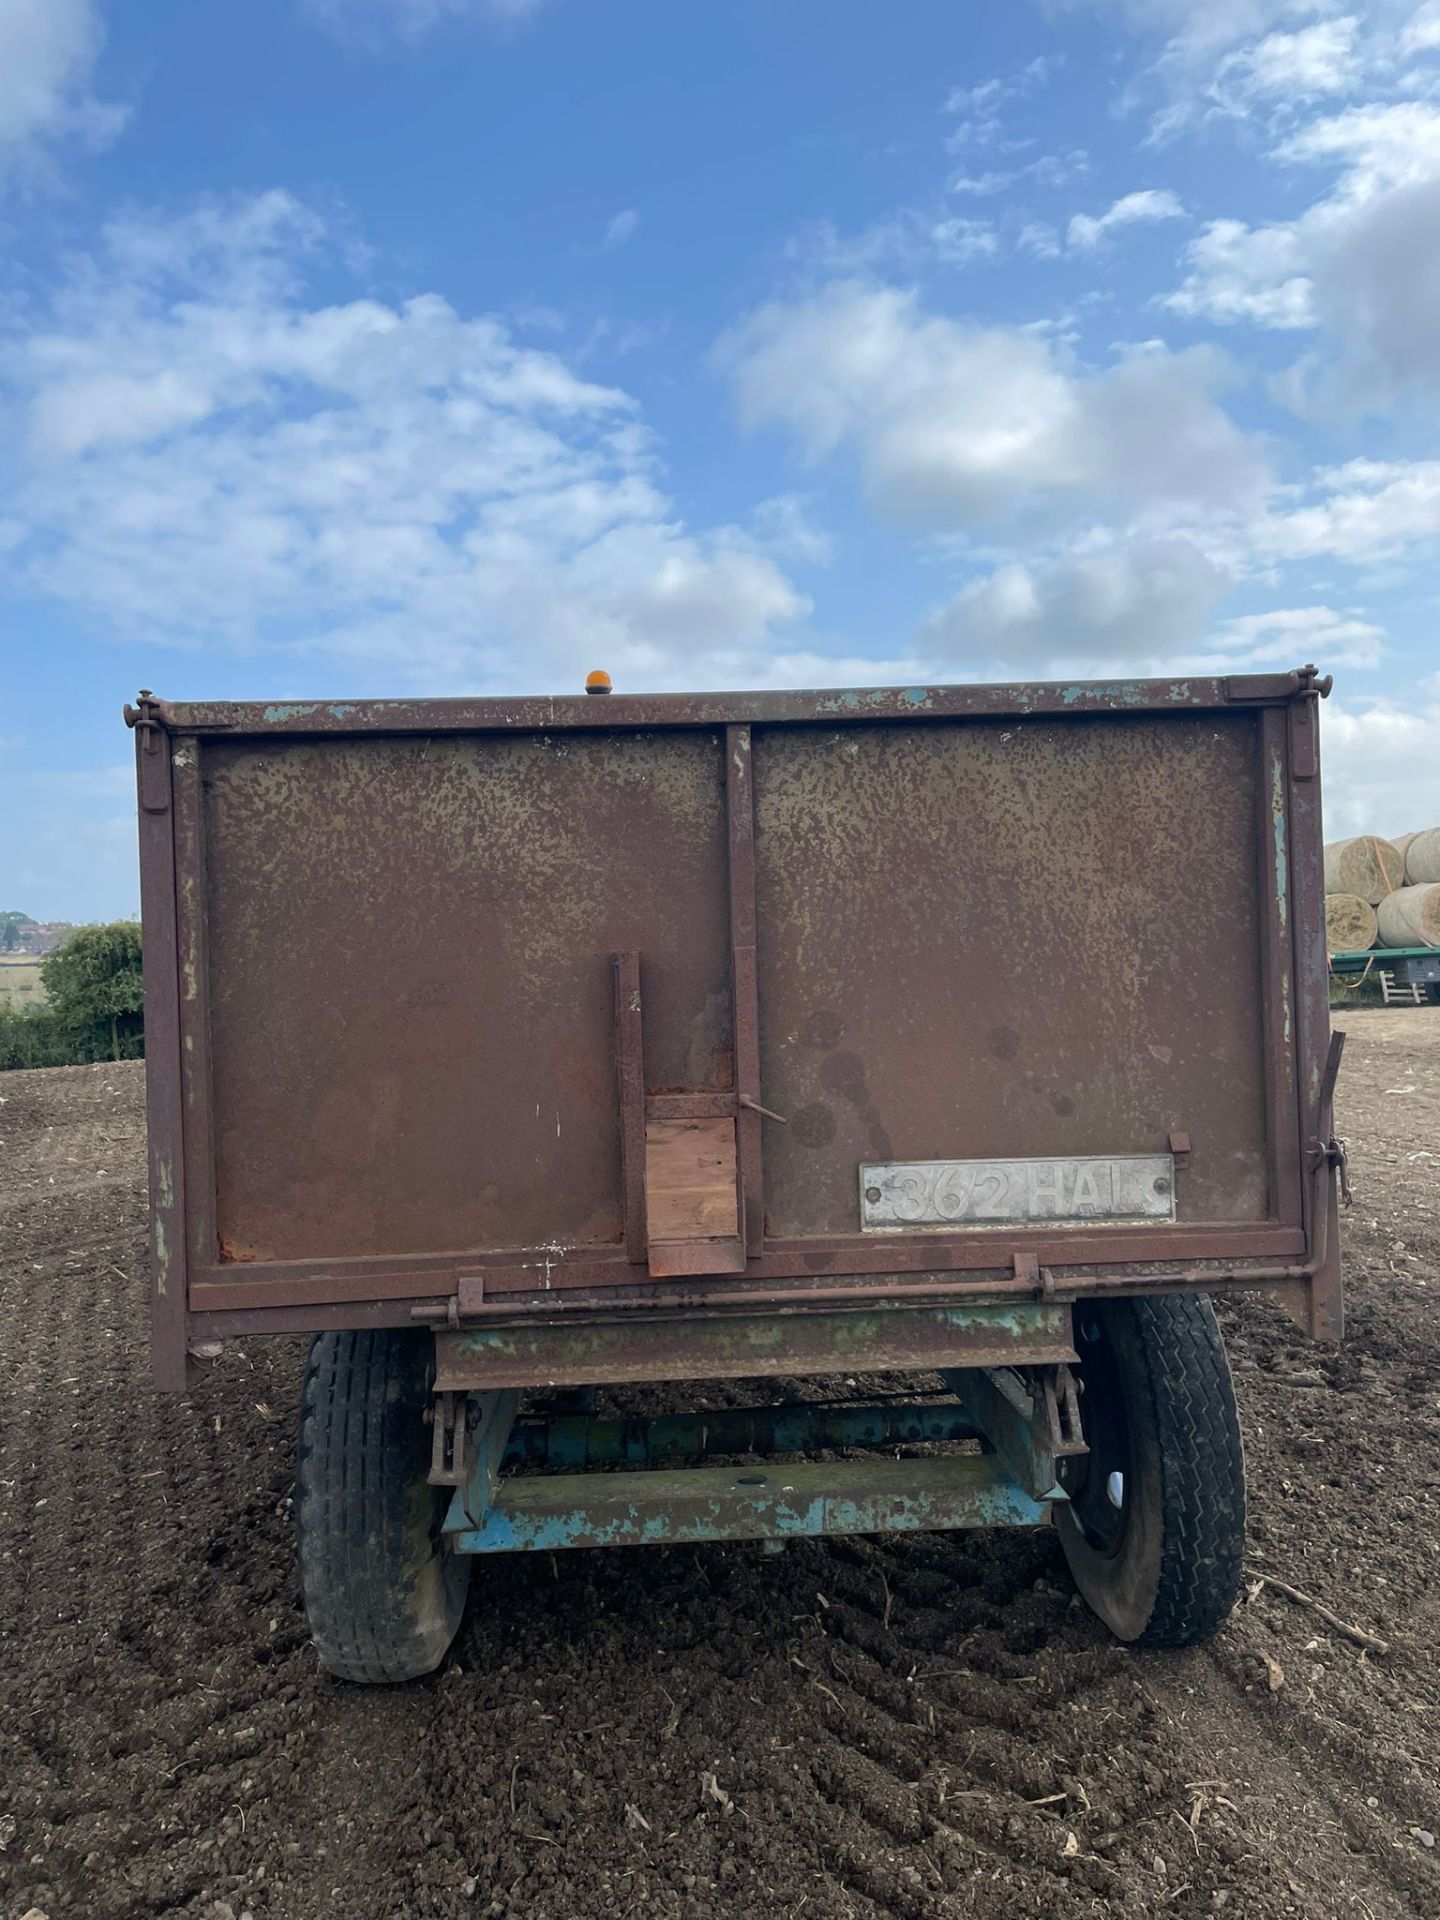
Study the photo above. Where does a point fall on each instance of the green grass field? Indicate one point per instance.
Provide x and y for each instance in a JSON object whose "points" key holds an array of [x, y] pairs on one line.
{"points": [[20, 982]]}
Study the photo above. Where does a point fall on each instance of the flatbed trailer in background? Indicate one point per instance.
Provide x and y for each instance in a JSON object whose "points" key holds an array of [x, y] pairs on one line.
{"points": [[532, 1046], [1414, 968]]}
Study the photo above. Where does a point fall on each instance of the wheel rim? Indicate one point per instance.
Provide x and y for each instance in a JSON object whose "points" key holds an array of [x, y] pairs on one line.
{"points": [[1100, 1483]]}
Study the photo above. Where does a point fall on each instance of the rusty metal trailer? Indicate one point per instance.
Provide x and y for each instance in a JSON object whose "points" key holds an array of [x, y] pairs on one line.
{"points": [[532, 1047]]}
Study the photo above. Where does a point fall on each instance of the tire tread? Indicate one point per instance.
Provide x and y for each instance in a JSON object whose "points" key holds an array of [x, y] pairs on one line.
{"points": [[1202, 1469], [362, 1447]]}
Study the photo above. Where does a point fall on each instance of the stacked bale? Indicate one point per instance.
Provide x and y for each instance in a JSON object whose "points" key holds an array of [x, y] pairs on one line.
{"points": [[1383, 891], [1366, 866], [1359, 873], [1422, 857], [1410, 917], [1350, 923]]}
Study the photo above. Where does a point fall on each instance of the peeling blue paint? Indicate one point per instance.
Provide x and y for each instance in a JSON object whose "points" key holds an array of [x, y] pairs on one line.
{"points": [[1126, 693], [916, 696], [548, 1513], [1282, 862], [285, 710]]}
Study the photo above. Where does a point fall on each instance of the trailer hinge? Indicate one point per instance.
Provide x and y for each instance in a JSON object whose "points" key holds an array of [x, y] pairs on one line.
{"points": [[146, 717], [1312, 687]]}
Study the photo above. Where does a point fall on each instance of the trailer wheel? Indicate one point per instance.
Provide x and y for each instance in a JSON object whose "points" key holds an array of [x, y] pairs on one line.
{"points": [[383, 1592], [1154, 1529]]}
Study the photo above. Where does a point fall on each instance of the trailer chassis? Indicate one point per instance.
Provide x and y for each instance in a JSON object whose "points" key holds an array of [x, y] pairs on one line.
{"points": [[1023, 1411]]}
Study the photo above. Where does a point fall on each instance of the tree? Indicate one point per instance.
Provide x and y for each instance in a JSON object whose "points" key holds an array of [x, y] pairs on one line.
{"points": [[94, 989]]}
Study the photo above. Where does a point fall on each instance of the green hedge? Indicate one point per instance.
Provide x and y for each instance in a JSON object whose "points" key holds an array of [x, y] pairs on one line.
{"points": [[94, 1003]]}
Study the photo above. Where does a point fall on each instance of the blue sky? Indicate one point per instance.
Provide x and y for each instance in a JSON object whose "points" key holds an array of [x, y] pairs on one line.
{"points": [[374, 346]]}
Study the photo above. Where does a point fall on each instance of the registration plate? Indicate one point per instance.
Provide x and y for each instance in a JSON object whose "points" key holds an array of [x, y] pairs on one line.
{"points": [[993, 1193]]}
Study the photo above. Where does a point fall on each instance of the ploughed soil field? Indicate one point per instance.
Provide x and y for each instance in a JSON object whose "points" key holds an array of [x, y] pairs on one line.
{"points": [[918, 1727]]}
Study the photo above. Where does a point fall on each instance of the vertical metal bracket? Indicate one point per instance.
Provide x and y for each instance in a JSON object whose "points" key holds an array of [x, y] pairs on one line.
{"points": [[1331, 1073], [447, 1441], [740, 837], [1031, 1419], [630, 1058], [1029, 1271], [481, 1424]]}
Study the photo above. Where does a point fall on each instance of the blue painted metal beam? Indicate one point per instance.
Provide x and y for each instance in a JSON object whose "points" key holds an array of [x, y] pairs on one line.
{"points": [[547, 1512], [571, 1441], [1013, 1421], [486, 1441]]}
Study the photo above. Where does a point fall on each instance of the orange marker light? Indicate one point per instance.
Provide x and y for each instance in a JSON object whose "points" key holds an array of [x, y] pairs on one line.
{"points": [[598, 681]]}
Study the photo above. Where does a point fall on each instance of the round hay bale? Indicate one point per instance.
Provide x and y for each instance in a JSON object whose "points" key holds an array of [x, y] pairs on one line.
{"points": [[1366, 866], [1349, 923], [1410, 917], [1422, 857]]}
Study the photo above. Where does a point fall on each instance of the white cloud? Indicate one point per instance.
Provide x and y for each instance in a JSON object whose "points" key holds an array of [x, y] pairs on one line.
{"points": [[979, 109], [956, 425], [908, 240], [1132, 209], [1367, 511], [981, 185], [1128, 605], [1268, 61], [48, 51], [1247, 273], [620, 229], [1286, 635], [214, 456], [1322, 58], [1379, 762], [1382, 144], [1421, 33], [1059, 169], [786, 526], [372, 20], [1039, 239], [1110, 599], [1360, 262]]}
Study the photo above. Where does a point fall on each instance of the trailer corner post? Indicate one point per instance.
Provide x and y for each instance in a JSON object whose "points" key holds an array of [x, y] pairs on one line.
{"points": [[169, 1263]]}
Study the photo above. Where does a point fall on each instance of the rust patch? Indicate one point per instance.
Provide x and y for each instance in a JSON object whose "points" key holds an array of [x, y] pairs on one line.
{"points": [[229, 1252]]}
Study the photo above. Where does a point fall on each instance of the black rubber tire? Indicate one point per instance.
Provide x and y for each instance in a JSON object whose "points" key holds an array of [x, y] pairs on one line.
{"points": [[383, 1592], [1158, 1407]]}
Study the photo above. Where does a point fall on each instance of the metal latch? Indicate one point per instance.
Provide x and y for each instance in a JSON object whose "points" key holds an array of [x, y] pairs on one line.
{"points": [[1337, 1156], [1333, 1153]]}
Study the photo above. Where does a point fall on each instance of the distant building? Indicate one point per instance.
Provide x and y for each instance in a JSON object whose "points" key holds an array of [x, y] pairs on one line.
{"points": [[19, 934]]}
